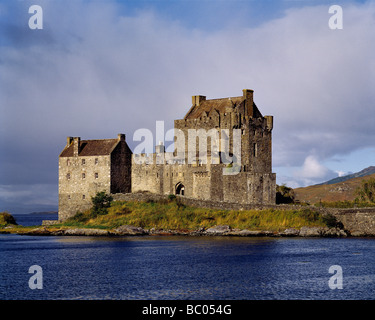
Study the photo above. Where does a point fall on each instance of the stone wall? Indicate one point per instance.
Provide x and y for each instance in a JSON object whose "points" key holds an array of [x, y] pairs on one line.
{"points": [[80, 178], [359, 221], [251, 188], [200, 203], [205, 181], [121, 167], [202, 185], [256, 138], [146, 176]]}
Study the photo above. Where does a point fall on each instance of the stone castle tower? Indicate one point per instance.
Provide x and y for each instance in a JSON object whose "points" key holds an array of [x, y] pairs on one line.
{"points": [[223, 152]]}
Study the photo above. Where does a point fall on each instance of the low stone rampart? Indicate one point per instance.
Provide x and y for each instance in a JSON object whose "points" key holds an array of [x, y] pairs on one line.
{"points": [[358, 221], [210, 204]]}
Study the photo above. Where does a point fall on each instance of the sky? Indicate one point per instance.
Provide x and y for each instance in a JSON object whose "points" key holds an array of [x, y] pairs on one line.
{"points": [[99, 68]]}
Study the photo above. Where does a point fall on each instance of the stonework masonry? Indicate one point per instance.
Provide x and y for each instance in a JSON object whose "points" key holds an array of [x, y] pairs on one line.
{"points": [[89, 166]]}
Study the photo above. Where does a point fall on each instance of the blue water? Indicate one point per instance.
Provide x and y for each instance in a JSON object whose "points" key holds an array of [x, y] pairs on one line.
{"points": [[34, 219], [186, 268]]}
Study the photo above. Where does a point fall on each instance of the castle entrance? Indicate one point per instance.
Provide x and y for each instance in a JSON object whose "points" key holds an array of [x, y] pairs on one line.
{"points": [[180, 189]]}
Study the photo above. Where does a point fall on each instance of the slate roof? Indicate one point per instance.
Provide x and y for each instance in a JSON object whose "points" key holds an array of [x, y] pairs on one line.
{"points": [[219, 105], [214, 104], [100, 147]]}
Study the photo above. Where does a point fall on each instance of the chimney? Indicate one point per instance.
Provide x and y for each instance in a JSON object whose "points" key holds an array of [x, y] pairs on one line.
{"points": [[69, 141], [160, 148], [76, 145], [269, 120], [197, 100], [248, 94], [121, 137]]}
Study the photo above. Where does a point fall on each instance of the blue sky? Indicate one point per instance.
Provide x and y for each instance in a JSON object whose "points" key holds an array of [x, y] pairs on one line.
{"points": [[99, 68]]}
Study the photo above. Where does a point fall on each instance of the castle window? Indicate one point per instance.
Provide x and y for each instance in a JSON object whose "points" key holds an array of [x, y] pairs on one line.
{"points": [[68, 176], [68, 162], [83, 161], [96, 175], [69, 197], [83, 175], [255, 150], [96, 160], [83, 197]]}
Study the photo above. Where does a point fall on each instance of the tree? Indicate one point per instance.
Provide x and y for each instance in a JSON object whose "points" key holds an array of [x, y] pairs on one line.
{"points": [[6, 218], [100, 203], [284, 194], [366, 192]]}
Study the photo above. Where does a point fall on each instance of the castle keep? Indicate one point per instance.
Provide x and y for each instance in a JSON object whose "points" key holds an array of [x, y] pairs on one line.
{"points": [[223, 152]]}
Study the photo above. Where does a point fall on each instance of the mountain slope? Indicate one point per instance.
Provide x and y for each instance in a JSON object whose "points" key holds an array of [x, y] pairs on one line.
{"points": [[365, 172], [340, 191]]}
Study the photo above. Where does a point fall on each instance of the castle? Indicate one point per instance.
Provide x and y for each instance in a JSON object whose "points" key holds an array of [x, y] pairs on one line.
{"points": [[232, 164]]}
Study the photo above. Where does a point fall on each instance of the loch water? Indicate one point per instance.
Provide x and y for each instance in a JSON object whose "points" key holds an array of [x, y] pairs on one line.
{"points": [[181, 268]]}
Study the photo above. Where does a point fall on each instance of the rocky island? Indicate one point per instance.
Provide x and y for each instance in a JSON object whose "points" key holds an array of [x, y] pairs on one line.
{"points": [[170, 216]]}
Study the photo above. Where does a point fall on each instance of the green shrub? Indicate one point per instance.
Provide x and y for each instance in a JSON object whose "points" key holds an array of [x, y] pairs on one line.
{"points": [[284, 194], [310, 215], [366, 193], [6, 218], [171, 197], [331, 221], [100, 203]]}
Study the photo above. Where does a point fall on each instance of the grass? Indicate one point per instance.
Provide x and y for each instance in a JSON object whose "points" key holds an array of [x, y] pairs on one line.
{"points": [[172, 215]]}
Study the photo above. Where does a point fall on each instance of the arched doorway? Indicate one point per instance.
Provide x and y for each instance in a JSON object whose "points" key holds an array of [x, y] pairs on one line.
{"points": [[180, 189]]}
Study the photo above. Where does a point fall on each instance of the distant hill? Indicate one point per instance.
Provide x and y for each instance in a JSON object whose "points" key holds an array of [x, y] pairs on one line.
{"points": [[365, 172], [331, 191], [44, 212]]}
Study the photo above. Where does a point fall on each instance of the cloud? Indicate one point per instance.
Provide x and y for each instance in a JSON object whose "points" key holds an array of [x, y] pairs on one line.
{"points": [[96, 70], [312, 172], [341, 173], [313, 169]]}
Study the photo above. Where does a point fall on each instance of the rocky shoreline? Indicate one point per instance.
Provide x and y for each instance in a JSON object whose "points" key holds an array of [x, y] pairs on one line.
{"points": [[220, 230]]}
